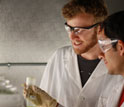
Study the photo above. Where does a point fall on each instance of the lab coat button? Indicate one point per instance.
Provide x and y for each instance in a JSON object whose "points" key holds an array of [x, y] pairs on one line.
{"points": [[89, 73]]}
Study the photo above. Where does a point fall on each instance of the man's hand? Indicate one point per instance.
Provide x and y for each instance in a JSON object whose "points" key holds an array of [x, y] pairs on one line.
{"points": [[39, 97]]}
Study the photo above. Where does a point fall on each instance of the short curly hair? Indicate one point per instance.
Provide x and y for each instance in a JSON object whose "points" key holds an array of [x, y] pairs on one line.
{"points": [[95, 7]]}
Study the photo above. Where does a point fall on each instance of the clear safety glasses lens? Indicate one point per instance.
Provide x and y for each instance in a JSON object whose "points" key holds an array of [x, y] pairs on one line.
{"points": [[105, 45]]}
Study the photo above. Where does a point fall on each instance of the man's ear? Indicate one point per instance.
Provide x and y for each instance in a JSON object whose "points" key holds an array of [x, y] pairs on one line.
{"points": [[98, 29], [121, 47]]}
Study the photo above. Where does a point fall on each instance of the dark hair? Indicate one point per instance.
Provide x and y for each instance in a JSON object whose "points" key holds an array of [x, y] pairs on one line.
{"points": [[95, 7], [114, 26]]}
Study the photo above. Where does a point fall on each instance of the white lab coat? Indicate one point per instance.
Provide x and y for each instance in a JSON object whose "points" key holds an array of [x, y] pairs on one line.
{"points": [[101, 91], [111, 94], [61, 79]]}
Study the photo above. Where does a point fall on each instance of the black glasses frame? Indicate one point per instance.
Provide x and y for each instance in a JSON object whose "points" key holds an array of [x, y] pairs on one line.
{"points": [[88, 27]]}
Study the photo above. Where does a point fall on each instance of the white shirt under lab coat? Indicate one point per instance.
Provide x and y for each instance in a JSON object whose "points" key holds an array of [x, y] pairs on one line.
{"points": [[61, 80]]}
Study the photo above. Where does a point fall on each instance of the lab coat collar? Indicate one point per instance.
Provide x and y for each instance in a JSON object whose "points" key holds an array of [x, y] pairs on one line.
{"points": [[74, 71], [100, 70]]}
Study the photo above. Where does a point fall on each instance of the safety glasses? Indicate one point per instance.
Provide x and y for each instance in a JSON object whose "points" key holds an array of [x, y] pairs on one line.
{"points": [[78, 30], [106, 44]]}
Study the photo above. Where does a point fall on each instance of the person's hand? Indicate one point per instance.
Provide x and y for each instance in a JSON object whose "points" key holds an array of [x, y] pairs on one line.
{"points": [[39, 97]]}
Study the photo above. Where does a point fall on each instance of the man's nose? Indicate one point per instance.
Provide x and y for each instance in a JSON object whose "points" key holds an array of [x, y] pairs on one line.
{"points": [[101, 55], [72, 35]]}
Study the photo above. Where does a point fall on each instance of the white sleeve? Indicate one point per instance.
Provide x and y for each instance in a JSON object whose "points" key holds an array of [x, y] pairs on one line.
{"points": [[48, 73]]}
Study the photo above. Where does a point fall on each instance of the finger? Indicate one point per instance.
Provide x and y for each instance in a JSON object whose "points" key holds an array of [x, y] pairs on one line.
{"points": [[24, 86], [30, 90], [36, 89], [24, 93]]}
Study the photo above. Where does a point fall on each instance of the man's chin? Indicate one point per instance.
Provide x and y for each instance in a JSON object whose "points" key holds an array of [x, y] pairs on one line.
{"points": [[79, 52]]}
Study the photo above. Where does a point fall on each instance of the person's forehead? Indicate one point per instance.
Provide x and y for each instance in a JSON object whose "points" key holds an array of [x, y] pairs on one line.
{"points": [[82, 19]]}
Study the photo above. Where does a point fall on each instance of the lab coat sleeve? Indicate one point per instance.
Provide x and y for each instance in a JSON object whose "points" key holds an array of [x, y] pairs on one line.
{"points": [[50, 78], [61, 78]]}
